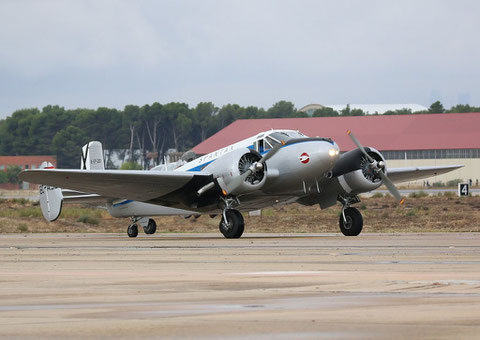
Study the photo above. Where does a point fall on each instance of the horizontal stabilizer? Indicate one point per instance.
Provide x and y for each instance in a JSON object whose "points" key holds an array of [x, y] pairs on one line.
{"points": [[51, 198]]}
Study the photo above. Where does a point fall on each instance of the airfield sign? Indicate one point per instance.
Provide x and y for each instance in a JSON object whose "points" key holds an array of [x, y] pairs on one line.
{"points": [[463, 189]]}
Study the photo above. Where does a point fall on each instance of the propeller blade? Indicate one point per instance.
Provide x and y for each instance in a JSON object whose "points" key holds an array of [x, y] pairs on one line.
{"points": [[269, 155], [391, 187], [360, 146]]}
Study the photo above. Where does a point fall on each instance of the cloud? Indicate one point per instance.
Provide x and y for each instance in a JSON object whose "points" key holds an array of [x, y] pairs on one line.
{"points": [[92, 53]]}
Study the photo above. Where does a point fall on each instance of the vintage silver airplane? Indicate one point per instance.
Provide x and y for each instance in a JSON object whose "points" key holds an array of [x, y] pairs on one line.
{"points": [[273, 167]]}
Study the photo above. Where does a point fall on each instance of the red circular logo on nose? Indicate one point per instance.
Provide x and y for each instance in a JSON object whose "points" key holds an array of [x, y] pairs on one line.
{"points": [[304, 158]]}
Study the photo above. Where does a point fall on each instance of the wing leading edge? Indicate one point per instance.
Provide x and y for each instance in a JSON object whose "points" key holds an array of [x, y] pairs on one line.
{"points": [[136, 185], [398, 175]]}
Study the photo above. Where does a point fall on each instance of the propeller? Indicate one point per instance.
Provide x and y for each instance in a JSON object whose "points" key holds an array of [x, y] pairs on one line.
{"points": [[255, 167], [377, 167], [258, 166]]}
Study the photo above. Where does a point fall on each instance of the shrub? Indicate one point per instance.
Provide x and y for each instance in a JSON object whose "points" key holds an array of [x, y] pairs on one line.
{"points": [[21, 201], [418, 194], [377, 195], [85, 218], [30, 212], [438, 185], [22, 227], [454, 182], [411, 213], [131, 166]]}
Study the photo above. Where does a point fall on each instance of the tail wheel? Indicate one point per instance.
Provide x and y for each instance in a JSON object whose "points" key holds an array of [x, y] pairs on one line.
{"points": [[151, 227], [234, 226], [132, 230], [353, 224]]}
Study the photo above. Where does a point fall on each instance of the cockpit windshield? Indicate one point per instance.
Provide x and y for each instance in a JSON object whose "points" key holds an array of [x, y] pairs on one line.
{"points": [[286, 135], [277, 137]]}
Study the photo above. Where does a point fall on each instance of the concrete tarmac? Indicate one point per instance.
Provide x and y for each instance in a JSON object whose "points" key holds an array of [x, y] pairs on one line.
{"points": [[262, 286]]}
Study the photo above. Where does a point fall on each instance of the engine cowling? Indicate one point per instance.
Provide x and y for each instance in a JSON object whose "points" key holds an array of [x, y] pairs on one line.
{"points": [[354, 173], [227, 170]]}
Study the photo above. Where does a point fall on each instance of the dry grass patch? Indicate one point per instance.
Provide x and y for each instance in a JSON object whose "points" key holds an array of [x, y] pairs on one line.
{"points": [[381, 214]]}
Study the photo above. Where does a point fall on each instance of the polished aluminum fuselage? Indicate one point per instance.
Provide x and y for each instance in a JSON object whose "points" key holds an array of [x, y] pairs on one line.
{"points": [[296, 170]]}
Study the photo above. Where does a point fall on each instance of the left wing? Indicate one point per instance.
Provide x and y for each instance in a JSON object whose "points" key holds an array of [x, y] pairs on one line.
{"points": [[398, 175], [136, 185]]}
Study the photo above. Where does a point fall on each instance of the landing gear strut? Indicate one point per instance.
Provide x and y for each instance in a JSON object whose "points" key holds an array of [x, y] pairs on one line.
{"points": [[351, 220], [232, 224]]}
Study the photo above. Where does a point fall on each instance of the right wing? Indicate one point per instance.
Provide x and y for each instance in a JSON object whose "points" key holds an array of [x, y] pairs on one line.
{"points": [[138, 185], [398, 175]]}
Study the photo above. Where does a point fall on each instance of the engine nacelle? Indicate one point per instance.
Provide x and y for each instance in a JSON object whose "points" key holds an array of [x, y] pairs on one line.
{"points": [[354, 173], [227, 170]]}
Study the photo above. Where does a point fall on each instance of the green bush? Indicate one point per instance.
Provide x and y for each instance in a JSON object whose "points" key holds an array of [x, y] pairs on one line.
{"points": [[418, 194], [88, 219], [438, 185], [411, 213], [131, 166], [30, 212], [449, 194], [377, 195], [454, 182], [21, 201], [22, 227]]}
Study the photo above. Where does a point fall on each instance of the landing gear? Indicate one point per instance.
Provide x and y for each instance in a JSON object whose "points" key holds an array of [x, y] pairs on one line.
{"points": [[132, 230], [232, 224], [151, 227], [351, 220]]}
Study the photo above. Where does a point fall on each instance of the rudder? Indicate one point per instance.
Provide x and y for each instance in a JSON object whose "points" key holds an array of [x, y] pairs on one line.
{"points": [[92, 156]]}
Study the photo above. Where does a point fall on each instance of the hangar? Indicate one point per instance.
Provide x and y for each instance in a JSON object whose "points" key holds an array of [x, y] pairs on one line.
{"points": [[404, 140], [369, 109]]}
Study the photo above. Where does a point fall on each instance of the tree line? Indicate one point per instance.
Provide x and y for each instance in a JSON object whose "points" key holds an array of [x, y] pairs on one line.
{"points": [[151, 129]]}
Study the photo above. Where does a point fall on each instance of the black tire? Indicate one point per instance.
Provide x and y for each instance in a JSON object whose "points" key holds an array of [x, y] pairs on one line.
{"points": [[354, 224], [132, 230], [151, 227], [235, 226]]}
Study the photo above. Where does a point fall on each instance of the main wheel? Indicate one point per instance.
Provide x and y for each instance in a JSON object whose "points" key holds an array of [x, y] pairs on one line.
{"points": [[132, 230], [354, 222], [234, 226], [151, 227]]}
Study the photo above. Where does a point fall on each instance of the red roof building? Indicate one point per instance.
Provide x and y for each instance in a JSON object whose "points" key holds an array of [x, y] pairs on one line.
{"points": [[25, 162], [396, 132]]}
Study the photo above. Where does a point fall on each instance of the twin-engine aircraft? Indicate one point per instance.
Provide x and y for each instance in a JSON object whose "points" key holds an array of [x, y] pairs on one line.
{"points": [[273, 167]]}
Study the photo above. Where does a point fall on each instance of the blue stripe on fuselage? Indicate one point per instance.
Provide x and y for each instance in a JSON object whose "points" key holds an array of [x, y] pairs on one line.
{"points": [[201, 166]]}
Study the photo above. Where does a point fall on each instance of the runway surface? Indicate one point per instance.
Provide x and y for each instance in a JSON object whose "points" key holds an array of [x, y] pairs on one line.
{"points": [[262, 286]]}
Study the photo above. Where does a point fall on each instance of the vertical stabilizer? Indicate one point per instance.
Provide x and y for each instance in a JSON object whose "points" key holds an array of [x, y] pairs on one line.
{"points": [[92, 156], [51, 198]]}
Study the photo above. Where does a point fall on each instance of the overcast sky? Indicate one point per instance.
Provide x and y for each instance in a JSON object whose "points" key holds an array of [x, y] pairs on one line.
{"points": [[113, 53]]}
